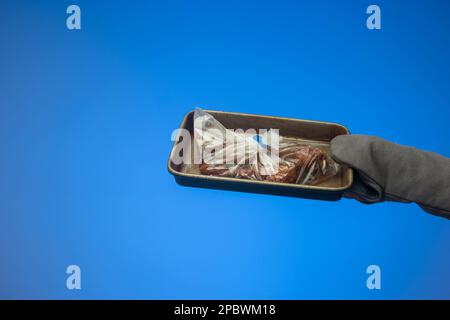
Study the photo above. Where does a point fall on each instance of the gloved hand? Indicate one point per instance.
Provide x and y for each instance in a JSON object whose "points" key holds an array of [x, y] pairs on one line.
{"points": [[385, 171]]}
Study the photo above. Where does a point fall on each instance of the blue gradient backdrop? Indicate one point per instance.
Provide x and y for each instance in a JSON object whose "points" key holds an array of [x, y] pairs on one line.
{"points": [[85, 124]]}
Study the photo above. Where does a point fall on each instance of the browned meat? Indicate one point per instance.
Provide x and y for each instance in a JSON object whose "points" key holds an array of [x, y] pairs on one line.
{"points": [[287, 173], [297, 162]]}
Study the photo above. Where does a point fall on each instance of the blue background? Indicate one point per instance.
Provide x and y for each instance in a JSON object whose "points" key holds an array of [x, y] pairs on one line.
{"points": [[85, 124]]}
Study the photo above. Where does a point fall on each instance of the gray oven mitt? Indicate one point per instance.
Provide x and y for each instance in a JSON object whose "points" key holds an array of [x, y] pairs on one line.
{"points": [[388, 171]]}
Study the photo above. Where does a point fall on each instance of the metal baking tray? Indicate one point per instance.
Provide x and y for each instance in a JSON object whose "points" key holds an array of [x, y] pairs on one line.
{"points": [[317, 131]]}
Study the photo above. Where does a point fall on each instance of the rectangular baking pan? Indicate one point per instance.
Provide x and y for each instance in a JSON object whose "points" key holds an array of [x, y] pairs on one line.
{"points": [[318, 131]]}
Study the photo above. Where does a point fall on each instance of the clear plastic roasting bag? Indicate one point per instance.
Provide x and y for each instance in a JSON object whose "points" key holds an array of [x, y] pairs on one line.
{"points": [[262, 156]]}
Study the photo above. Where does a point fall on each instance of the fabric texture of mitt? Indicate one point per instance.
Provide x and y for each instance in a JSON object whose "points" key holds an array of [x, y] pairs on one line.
{"points": [[386, 171]]}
